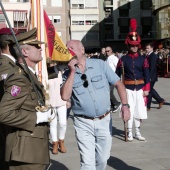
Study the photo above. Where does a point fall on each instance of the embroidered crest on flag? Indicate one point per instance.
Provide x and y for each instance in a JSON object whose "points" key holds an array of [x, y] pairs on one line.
{"points": [[15, 91]]}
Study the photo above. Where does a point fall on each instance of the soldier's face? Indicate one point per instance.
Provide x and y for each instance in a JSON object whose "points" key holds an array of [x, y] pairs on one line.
{"points": [[133, 48], [34, 53]]}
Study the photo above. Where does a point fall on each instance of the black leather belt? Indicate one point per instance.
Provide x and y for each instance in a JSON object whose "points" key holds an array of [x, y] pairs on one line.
{"points": [[93, 118]]}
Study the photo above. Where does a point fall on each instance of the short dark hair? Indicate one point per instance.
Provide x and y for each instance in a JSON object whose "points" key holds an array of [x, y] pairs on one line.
{"points": [[150, 44], [4, 40]]}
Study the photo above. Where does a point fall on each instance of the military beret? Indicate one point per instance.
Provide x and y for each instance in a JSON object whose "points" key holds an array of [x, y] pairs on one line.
{"points": [[7, 31], [29, 37], [6, 35]]}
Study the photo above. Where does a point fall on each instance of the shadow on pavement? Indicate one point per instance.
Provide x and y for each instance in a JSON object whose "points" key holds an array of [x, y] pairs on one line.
{"points": [[117, 133], [56, 165], [118, 164]]}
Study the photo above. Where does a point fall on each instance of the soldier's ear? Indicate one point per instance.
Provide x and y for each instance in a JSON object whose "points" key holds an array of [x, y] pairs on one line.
{"points": [[24, 52]]}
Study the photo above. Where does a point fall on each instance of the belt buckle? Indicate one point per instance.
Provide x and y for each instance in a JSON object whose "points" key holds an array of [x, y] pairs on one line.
{"points": [[136, 82]]}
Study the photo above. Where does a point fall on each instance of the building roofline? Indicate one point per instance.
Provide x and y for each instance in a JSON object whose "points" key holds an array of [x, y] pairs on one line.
{"points": [[159, 9]]}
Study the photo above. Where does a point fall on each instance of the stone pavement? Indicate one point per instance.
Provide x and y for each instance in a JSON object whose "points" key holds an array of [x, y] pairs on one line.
{"points": [[152, 154]]}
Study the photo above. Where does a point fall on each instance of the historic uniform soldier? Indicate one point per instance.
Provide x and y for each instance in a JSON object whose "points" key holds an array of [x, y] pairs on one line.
{"points": [[135, 69], [27, 143], [7, 65]]}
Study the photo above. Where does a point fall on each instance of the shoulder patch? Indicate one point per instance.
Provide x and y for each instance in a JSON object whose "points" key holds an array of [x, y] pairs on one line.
{"points": [[15, 90]]}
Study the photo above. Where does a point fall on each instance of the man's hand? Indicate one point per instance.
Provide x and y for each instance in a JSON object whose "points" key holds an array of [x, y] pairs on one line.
{"points": [[145, 93], [125, 113], [72, 65]]}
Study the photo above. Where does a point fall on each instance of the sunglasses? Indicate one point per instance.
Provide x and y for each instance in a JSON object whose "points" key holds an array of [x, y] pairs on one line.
{"points": [[107, 51], [84, 78]]}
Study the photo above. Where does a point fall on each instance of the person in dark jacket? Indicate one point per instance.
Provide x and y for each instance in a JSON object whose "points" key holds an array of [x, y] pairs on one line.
{"points": [[153, 61]]}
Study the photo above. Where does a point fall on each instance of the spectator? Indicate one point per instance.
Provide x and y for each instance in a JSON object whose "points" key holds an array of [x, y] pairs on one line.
{"points": [[153, 60], [87, 84], [112, 61], [102, 54], [60, 106]]}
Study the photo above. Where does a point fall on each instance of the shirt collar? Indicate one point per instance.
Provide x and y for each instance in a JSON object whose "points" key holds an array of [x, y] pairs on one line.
{"points": [[9, 56], [89, 65], [31, 69], [133, 55], [150, 52]]}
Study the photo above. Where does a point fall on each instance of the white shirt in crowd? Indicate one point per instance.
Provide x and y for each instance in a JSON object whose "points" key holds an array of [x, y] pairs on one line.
{"points": [[112, 60]]}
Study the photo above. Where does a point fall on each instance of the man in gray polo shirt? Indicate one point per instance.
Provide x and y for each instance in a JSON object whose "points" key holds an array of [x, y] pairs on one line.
{"points": [[86, 83]]}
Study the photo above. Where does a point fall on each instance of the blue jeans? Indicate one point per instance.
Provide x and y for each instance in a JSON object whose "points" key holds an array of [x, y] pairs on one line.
{"points": [[94, 140]]}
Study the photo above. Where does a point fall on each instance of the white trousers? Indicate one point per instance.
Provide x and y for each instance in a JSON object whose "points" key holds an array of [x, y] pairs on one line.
{"points": [[138, 108], [62, 117]]}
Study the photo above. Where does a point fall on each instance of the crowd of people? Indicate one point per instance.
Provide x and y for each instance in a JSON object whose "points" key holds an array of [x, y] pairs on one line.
{"points": [[163, 55], [87, 81]]}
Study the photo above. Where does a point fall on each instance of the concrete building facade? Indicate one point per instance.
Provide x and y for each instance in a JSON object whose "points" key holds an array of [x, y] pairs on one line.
{"points": [[161, 9], [99, 23]]}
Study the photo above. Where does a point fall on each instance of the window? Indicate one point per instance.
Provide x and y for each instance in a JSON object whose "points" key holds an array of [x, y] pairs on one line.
{"points": [[146, 4], [57, 3], [124, 29], [91, 19], [77, 20], [20, 19], [57, 19], [108, 12], [146, 21], [44, 2], [81, 4], [123, 21], [123, 12]]}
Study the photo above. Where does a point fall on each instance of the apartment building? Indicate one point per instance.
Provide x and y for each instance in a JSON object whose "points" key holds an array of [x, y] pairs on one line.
{"points": [[97, 23], [58, 12], [84, 22], [161, 9], [17, 12], [117, 17], [106, 22]]}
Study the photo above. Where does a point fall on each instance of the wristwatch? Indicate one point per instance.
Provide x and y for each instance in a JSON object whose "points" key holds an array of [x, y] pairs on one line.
{"points": [[127, 105]]}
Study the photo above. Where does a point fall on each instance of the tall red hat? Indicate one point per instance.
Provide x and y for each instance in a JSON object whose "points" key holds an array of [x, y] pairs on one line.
{"points": [[133, 38]]}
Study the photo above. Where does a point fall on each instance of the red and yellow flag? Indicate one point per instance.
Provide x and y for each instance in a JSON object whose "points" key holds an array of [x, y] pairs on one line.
{"points": [[57, 49]]}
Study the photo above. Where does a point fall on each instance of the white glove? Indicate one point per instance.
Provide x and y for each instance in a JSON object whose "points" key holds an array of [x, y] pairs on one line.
{"points": [[46, 116]]}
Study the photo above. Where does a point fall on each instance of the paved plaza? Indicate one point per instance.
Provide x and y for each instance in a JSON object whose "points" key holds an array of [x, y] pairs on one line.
{"points": [[152, 154]]}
